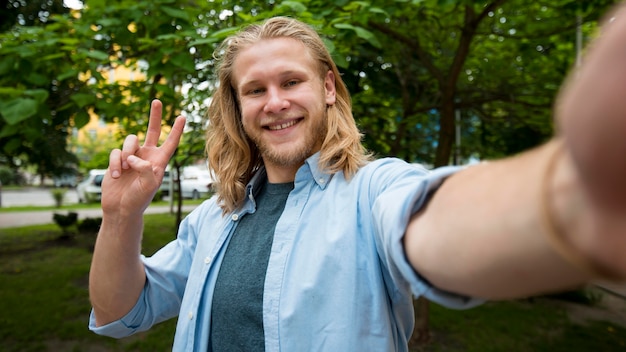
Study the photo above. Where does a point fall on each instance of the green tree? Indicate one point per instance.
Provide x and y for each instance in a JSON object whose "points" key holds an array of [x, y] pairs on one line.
{"points": [[38, 83]]}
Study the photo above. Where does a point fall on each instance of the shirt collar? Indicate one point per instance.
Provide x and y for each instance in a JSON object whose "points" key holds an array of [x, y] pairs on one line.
{"points": [[310, 170]]}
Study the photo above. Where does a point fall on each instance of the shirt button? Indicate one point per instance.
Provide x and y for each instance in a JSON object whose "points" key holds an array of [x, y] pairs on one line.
{"points": [[321, 180], [235, 217], [190, 315], [207, 260]]}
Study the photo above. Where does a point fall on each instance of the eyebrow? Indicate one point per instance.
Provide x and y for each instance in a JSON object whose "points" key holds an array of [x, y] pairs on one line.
{"points": [[281, 75]]}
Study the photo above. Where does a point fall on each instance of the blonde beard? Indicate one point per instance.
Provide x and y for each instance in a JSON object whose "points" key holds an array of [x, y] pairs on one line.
{"points": [[299, 153]]}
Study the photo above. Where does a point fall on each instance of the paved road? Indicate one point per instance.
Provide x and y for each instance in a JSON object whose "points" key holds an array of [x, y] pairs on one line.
{"points": [[34, 196], [18, 219]]}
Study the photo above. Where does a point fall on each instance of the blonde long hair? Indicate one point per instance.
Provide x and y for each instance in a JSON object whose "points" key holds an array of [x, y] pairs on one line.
{"points": [[233, 157]]}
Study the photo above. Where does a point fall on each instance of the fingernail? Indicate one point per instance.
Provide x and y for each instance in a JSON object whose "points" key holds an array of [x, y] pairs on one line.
{"points": [[115, 174]]}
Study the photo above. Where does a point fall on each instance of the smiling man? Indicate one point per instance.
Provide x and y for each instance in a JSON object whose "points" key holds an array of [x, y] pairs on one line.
{"points": [[312, 245], [283, 103]]}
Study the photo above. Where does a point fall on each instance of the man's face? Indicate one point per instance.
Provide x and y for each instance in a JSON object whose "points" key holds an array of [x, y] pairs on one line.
{"points": [[283, 101]]}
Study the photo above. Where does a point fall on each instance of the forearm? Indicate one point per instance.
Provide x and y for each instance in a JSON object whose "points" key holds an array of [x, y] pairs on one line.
{"points": [[483, 234], [117, 275]]}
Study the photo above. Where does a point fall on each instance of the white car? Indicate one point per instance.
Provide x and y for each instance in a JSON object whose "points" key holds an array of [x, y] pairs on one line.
{"points": [[196, 182], [90, 190]]}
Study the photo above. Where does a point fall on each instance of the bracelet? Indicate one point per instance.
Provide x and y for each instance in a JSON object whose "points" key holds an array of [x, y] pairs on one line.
{"points": [[555, 234]]}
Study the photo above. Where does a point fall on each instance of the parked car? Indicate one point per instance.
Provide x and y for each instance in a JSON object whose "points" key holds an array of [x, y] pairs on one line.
{"points": [[65, 180], [166, 184], [90, 190], [196, 182]]}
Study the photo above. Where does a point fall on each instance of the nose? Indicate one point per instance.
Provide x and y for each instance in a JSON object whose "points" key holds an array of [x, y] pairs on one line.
{"points": [[276, 101]]}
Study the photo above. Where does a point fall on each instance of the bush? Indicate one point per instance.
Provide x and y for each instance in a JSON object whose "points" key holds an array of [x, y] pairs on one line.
{"points": [[65, 222], [7, 176], [90, 225], [58, 194]]}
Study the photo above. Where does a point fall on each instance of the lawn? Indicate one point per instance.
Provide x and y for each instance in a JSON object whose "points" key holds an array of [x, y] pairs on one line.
{"points": [[44, 305]]}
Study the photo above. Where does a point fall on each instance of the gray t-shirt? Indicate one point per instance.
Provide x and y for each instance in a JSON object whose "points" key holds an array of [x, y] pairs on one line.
{"points": [[237, 310]]}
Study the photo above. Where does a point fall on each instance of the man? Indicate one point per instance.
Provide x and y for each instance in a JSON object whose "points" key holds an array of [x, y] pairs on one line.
{"points": [[310, 245]]}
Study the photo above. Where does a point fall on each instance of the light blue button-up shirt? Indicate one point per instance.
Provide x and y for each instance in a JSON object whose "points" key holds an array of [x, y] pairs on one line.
{"points": [[337, 277]]}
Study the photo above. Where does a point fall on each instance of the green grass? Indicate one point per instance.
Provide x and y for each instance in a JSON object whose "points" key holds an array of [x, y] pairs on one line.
{"points": [[44, 305], [43, 291], [541, 324]]}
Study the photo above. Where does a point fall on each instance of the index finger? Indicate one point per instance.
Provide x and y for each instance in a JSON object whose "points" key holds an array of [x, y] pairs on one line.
{"points": [[154, 124]]}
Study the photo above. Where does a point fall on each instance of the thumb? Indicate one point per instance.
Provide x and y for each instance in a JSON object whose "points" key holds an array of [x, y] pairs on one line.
{"points": [[143, 168]]}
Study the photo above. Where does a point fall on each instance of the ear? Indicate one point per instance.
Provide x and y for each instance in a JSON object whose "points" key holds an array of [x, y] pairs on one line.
{"points": [[329, 88]]}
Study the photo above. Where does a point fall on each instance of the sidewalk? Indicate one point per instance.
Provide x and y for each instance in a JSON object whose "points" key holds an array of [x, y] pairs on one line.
{"points": [[18, 219]]}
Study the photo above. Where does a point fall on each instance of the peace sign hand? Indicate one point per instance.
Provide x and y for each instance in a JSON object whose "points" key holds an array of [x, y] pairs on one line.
{"points": [[135, 172]]}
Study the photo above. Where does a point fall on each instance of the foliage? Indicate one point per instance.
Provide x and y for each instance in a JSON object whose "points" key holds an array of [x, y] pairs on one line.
{"points": [[417, 69], [39, 69], [58, 194], [28, 13], [89, 225], [496, 65], [65, 222], [7, 175]]}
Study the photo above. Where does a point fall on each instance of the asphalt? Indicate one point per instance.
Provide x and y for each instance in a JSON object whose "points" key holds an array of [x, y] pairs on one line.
{"points": [[42, 217]]}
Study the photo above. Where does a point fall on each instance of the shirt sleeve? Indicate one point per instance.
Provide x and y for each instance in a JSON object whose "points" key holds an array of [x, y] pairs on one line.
{"points": [[166, 276], [404, 190]]}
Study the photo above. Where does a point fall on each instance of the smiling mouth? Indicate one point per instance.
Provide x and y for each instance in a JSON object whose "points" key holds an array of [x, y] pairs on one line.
{"points": [[282, 126]]}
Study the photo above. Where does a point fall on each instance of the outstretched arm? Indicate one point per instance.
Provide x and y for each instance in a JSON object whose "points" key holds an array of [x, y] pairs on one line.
{"points": [[135, 172], [547, 220]]}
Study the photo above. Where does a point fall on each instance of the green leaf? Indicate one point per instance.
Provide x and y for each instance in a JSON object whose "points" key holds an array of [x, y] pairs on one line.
{"points": [[12, 145], [361, 33], [9, 130], [6, 65], [40, 95], [209, 40], [176, 13], [98, 55], [294, 6], [184, 61], [67, 74], [223, 33], [36, 78], [17, 110], [10, 92], [81, 119], [82, 99], [109, 22], [52, 56]]}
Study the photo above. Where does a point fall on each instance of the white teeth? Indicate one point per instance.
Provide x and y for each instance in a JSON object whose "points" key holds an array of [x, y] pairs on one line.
{"points": [[282, 126]]}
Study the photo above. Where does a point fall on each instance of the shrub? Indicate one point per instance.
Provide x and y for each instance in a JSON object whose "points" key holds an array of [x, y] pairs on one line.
{"points": [[58, 194], [89, 225], [65, 221], [7, 176]]}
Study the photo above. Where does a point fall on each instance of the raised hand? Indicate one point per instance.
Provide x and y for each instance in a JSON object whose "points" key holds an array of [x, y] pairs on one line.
{"points": [[135, 172], [591, 113]]}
